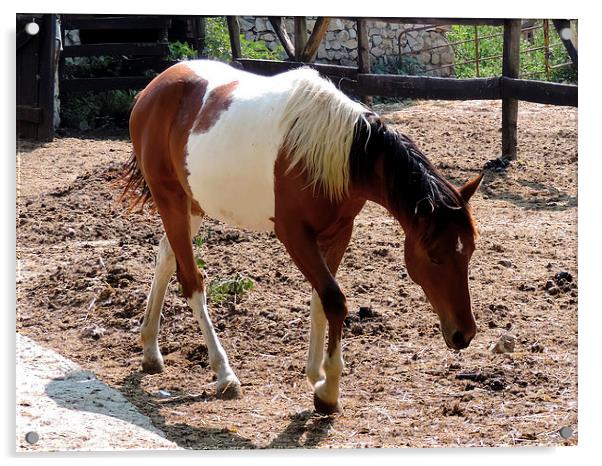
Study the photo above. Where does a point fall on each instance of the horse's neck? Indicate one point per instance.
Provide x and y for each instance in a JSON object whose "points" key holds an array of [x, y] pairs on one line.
{"points": [[375, 190]]}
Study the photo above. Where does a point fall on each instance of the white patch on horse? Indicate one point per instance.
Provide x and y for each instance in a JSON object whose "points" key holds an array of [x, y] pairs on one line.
{"points": [[459, 245], [231, 166]]}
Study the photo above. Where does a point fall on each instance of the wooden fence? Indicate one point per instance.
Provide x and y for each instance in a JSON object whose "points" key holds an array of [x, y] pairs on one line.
{"points": [[35, 77], [360, 80]]}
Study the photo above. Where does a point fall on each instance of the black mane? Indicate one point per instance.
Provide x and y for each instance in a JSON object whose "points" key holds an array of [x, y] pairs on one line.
{"points": [[413, 183]]}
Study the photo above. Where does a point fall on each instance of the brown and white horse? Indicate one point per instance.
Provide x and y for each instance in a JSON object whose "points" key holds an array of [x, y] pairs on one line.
{"points": [[293, 155]]}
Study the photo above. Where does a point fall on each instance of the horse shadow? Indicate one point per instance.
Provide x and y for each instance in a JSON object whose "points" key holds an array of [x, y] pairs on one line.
{"points": [[82, 391]]}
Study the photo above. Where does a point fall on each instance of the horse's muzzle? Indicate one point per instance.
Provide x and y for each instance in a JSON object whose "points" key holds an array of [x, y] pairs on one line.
{"points": [[459, 340]]}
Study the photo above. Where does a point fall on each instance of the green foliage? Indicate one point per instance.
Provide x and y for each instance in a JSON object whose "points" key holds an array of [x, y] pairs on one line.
{"points": [[532, 62], [199, 241], [181, 51], [91, 67], [96, 109], [228, 288], [217, 44], [406, 65]]}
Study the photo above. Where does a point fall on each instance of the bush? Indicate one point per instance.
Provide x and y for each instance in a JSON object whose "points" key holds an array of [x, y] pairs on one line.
{"points": [[96, 109], [217, 44], [404, 65], [181, 51]]}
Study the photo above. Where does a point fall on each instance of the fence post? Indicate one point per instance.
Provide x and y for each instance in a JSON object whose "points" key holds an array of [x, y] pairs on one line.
{"points": [[200, 31], [300, 36], [46, 75], [510, 69], [234, 32], [363, 55]]}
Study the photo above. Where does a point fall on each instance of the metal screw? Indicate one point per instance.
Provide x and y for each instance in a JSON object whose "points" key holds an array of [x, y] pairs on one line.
{"points": [[565, 432], [32, 437]]}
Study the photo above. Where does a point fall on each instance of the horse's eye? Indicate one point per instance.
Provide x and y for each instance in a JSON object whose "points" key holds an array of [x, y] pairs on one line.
{"points": [[435, 261]]}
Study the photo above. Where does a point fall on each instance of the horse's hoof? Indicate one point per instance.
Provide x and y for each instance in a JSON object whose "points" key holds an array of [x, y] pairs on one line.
{"points": [[229, 390], [324, 407], [153, 366]]}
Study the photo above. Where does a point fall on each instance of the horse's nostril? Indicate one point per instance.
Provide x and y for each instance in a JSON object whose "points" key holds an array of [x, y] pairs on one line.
{"points": [[458, 340]]}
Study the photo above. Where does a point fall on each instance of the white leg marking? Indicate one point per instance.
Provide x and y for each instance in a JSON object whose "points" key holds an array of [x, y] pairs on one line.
{"points": [[328, 389], [152, 360], [228, 384], [317, 334]]}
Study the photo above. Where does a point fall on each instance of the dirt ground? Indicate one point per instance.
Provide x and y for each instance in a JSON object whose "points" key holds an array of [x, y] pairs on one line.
{"points": [[85, 266]]}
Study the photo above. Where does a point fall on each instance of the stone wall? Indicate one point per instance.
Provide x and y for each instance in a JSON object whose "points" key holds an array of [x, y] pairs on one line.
{"points": [[339, 46]]}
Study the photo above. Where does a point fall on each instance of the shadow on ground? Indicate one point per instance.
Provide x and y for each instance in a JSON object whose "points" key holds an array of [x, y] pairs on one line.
{"points": [[82, 391]]}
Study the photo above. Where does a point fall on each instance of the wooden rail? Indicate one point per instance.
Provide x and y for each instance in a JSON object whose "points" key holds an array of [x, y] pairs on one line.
{"points": [[427, 87]]}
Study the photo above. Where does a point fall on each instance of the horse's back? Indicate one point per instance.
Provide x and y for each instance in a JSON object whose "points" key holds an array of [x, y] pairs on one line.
{"points": [[217, 132], [234, 143]]}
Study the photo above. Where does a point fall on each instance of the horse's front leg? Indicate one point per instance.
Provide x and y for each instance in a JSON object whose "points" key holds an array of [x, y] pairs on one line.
{"points": [[333, 252], [303, 247]]}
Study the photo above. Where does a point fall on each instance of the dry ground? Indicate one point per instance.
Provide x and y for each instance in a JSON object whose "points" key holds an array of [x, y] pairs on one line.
{"points": [[85, 267]]}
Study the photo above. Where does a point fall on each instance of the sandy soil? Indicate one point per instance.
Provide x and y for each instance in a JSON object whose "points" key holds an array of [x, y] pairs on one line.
{"points": [[85, 267]]}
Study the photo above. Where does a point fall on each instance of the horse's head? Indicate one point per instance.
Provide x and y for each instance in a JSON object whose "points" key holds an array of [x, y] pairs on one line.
{"points": [[437, 252]]}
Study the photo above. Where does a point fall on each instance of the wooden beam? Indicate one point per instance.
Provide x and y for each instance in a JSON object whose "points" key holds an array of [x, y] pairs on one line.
{"points": [[510, 69], [234, 33], [199, 26], [105, 84], [317, 33], [344, 77], [116, 22], [428, 87], [541, 92], [435, 21], [88, 50], [283, 36], [363, 54], [29, 113], [46, 81], [569, 43], [271, 67], [300, 36]]}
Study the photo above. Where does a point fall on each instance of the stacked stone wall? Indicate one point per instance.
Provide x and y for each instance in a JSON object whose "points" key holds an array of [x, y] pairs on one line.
{"points": [[423, 49]]}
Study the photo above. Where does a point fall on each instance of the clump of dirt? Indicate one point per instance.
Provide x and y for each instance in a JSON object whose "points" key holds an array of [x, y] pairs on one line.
{"points": [[86, 263]]}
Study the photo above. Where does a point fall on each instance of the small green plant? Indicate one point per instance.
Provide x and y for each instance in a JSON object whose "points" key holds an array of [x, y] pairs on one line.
{"points": [[221, 290], [181, 51], [199, 241]]}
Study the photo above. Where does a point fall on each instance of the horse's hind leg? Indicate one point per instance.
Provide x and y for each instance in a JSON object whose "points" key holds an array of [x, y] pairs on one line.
{"points": [[152, 361], [174, 206]]}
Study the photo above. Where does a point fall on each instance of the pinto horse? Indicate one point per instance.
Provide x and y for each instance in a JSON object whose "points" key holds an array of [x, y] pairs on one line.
{"points": [[293, 155]]}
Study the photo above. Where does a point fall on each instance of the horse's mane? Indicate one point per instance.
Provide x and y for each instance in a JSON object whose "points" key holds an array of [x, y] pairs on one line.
{"points": [[319, 123], [413, 184]]}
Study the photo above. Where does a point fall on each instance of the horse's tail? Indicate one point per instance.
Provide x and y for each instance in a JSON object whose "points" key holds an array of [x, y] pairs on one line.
{"points": [[135, 190]]}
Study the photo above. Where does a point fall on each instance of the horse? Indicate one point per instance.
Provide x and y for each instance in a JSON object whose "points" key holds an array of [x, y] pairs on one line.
{"points": [[293, 155]]}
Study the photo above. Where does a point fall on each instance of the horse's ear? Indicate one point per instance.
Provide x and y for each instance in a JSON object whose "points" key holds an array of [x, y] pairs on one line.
{"points": [[470, 187], [424, 207]]}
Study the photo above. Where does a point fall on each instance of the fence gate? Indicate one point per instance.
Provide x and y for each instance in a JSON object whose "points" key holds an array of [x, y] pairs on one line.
{"points": [[36, 66]]}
